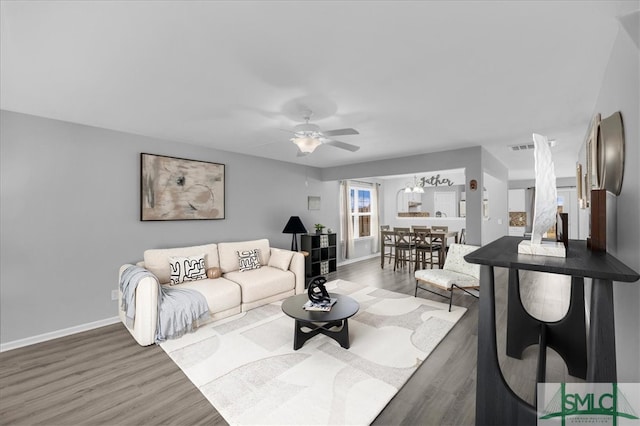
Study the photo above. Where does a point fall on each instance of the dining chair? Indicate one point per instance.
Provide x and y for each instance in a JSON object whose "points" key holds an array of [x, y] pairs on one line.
{"points": [[428, 252], [438, 239], [387, 245], [403, 247]]}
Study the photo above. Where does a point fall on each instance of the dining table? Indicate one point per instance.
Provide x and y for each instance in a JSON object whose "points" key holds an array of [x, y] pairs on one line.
{"points": [[439, 236]]}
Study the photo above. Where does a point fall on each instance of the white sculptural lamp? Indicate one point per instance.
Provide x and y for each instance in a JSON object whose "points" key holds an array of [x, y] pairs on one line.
{"points": [[546, 203]]}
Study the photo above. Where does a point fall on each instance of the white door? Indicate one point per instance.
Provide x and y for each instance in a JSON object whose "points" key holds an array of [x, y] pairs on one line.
{"points": [[445, 202]]}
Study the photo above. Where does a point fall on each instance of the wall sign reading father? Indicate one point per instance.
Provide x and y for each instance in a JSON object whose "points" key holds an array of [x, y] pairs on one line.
{"points": [[435, 181]]}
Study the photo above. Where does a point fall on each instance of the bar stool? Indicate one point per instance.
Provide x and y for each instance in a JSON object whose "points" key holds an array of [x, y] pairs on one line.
{"points": [[427, 251], [404, 247], [386, 243]]}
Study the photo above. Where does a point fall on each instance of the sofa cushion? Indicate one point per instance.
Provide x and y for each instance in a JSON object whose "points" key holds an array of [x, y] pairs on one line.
{"points": [[186, 268], [261, 283], [280, 259], [221, 294], [248, 260], [157, 260], [229, 256]]}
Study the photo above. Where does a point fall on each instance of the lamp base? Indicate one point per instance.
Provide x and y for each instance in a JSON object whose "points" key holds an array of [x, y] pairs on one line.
{"points": [[294, 243]]}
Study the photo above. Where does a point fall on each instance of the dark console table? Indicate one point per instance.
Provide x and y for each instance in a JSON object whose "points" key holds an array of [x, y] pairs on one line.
{"points": [[496, 403]]}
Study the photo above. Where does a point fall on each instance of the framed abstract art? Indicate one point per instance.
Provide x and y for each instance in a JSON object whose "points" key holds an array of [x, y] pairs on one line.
{"points": [[180, 189]]}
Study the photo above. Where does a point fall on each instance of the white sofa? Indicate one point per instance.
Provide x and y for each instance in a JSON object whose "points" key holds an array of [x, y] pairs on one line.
{"points": [[230, 294]]}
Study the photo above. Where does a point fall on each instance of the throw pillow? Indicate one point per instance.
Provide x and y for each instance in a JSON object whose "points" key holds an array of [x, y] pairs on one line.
{"points": [[214, 273], [249, 259], [189, 268], [280, 259]]}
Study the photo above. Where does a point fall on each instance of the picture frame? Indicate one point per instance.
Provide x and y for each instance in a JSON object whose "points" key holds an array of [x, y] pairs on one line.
{"points": [[593, 138], [579, 185], [313, 202], [173, 188]]}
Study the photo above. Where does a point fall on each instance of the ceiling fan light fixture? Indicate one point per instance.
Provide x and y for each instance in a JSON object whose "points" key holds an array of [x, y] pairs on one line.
{"points": [[306, 144]]}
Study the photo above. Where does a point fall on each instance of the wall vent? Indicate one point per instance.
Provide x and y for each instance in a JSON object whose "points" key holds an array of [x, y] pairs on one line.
{"points": [[521, 147], [529, 146]]}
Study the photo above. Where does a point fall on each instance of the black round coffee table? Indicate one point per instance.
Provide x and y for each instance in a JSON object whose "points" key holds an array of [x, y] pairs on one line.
{"points": [[320, 322]]}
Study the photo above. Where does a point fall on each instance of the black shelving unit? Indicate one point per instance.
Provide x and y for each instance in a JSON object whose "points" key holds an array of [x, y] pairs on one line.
{"points": [[322, 254]]}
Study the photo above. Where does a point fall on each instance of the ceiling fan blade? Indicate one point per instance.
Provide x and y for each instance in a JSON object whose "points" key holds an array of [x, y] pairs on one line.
{"points": [[341, 132], [343, 145]]}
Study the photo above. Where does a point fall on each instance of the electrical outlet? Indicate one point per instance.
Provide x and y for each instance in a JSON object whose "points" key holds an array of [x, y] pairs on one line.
{"points": [[114, 294]]}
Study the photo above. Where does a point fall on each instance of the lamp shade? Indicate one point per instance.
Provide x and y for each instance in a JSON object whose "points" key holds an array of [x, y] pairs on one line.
{"points": [[294, 226]]}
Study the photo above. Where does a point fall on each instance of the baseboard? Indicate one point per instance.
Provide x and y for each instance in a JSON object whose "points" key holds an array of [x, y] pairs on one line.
{"points": [[358, 259], [56, 334]]}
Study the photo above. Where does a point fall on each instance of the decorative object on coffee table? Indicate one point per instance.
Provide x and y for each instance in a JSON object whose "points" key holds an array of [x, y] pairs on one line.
{"points": [[317, 292], [294, 226], [546, 203]]}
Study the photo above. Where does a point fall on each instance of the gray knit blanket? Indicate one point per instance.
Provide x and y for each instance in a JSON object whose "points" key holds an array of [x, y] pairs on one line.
{"points": [[179, 309]]}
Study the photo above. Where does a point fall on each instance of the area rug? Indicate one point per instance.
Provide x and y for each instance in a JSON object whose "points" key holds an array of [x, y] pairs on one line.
{"points": [[246, 366]]}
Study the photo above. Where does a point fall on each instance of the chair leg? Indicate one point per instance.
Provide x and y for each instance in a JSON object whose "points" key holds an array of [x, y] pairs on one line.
{"points": [[416, 293], [450, 298]]}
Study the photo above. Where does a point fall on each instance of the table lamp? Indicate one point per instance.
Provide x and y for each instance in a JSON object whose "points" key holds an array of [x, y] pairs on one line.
{"points": [[294, 226]]}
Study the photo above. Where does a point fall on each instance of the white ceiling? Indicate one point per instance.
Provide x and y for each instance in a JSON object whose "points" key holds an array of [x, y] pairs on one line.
{"points": [[412, 77]]}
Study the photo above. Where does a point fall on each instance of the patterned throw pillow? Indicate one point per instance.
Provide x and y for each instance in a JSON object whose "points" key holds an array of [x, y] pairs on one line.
{"points": [[186, 269], [249, 259]]}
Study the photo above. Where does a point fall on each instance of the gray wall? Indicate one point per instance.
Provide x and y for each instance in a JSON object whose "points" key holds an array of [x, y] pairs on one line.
{"points": [[496, 224], [620, 91], [70, 200], [569, 182], [495, 180]]}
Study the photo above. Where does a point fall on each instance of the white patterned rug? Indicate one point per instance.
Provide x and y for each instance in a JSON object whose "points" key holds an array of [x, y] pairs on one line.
{"points": [[246, 366]]}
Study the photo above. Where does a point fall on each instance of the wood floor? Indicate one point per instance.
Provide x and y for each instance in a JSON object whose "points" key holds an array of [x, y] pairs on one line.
{"points": [[103, 377]]}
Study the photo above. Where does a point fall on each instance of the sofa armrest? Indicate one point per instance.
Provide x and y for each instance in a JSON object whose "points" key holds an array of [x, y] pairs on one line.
{"points": [[297, 267], [146, 300]]}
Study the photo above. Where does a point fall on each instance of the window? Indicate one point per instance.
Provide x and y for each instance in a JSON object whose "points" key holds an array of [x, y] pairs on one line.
{"points": [[360, 202]]}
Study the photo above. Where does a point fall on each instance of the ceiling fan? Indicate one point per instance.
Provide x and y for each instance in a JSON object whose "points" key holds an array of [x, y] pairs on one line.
{"points": [[308, 137]]}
